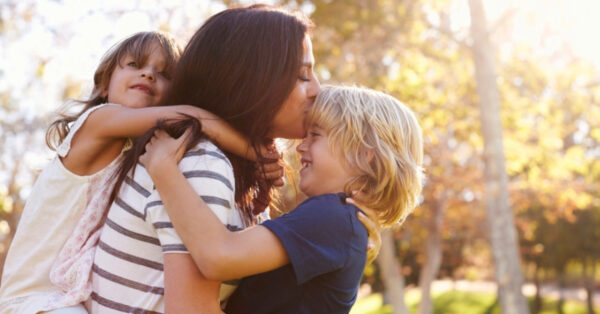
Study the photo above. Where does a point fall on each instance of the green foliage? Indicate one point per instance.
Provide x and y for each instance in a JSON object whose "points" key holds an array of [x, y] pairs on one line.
{"points": [[458, 302]]}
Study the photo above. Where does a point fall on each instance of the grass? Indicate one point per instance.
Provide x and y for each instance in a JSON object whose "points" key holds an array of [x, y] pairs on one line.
{"points": [[457, 302]]}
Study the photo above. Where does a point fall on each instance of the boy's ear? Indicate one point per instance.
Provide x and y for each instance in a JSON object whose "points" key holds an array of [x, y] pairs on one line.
{"points": [[370, 155]]}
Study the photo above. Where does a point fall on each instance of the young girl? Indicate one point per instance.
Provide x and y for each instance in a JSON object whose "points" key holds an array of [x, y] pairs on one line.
{"points": [[311, 259], [48, 265]]}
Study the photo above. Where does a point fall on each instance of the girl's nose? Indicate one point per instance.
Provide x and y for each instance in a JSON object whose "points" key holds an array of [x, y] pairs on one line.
{"points": [[148, 74]]}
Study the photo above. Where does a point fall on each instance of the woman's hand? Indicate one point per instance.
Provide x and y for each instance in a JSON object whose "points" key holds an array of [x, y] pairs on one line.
{"points": [[369, 220], [162, 150]]}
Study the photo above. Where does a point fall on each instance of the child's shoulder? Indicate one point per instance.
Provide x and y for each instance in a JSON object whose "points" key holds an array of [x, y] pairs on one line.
{"points": [[329, 204]]}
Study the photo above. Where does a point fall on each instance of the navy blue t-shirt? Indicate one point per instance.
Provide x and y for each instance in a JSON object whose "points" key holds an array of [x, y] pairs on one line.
{"points": [[327, 247]]}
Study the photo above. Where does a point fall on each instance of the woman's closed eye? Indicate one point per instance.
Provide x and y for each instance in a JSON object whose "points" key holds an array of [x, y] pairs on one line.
{"points": [[304, 75]]}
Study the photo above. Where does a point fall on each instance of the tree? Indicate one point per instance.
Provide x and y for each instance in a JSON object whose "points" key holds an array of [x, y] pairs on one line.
{"points": [[500, 218]]}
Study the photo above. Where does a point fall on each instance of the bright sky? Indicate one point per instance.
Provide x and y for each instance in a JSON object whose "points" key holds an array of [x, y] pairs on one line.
{"points": [[548, 24]]}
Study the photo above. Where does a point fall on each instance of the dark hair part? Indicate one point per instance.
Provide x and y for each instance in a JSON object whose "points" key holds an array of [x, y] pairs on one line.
{"points": [[139, 47], [241, 65]]}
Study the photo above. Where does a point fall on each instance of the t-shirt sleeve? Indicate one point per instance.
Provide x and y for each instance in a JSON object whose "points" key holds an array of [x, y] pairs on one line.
{"points": [[211, 176], [317, 236]]}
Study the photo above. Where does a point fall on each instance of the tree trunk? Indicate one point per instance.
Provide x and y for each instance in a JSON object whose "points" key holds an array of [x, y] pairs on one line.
{"points": [[433, 256], [588, 282], [500, 218], [390, 272], [537, 305], [561, 291]]}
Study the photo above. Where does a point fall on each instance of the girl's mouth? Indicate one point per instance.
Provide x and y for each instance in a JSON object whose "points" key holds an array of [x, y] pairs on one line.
{"points": [[144, 88]]}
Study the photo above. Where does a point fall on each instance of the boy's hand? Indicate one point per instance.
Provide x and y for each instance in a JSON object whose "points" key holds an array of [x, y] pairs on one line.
{"points": [[162, 150], [370, 222]]}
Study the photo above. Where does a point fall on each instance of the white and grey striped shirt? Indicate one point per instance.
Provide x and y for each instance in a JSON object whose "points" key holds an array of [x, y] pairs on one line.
{"points": [[128, 266]]}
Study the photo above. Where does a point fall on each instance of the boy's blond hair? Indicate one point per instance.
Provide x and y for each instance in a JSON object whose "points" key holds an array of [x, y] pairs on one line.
{"points": [[380, 139]]}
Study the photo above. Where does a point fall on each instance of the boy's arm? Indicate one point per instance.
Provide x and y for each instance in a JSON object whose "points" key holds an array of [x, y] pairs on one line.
{"points": [[218, 253]]}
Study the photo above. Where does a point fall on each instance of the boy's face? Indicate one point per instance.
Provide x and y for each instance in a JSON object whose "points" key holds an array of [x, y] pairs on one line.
{"points": [[322, 171], [139, 85]]}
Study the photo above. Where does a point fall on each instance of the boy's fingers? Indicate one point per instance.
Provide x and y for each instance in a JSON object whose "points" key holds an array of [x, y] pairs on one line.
{"points": [[186, 135], [161, 134]]}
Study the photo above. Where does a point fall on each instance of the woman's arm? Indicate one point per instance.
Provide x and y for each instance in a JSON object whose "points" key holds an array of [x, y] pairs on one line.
{"points": [[218, 253], [186, 290]]}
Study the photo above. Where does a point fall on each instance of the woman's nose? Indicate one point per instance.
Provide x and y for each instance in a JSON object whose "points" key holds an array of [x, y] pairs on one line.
{"points": [[315, 87]]}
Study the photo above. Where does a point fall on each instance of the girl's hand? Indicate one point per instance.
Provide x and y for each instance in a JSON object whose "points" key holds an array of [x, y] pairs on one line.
{"points": [[272, 165], [373, 228], [162, 150]]}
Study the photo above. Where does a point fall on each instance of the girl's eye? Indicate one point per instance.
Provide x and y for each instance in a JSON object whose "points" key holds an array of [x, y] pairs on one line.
{"points": [[303, 78], [132, 64], [314, 134]]}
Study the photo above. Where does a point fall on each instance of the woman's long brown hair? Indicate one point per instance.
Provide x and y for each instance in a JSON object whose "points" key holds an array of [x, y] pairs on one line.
{"points": [[241, 65]]}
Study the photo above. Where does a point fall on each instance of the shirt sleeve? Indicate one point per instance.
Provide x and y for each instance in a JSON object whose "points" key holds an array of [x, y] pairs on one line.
{"points": [[316, 235], [211, 176]]}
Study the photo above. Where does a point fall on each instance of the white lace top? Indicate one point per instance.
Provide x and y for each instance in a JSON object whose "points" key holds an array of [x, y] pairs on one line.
{"points": [[49, 263]]}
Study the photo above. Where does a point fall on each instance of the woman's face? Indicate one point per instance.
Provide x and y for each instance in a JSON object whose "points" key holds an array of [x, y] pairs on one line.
{"points": [[289, 120]]}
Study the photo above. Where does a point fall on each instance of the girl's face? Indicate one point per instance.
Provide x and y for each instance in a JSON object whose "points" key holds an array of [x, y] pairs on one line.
{"points": [[289, 120], [322, 170], [138, 85]]}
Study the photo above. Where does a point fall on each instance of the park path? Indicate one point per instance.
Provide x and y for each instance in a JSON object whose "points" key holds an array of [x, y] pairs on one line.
{"points": [[548, 290]]}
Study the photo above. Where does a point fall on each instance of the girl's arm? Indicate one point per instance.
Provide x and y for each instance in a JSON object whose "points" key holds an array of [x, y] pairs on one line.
{"points": [[117, 122], [218, 253]]}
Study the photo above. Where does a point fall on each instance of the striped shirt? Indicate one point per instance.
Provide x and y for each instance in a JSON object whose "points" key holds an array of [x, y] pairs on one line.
{"points": [[128, 265]]}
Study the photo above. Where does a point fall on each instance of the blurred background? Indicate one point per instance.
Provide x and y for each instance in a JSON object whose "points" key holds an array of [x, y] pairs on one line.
{"points": [[507, 93]]}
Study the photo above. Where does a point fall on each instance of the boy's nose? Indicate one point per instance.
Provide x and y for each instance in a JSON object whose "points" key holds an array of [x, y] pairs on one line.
{"points": [[301, 147]]}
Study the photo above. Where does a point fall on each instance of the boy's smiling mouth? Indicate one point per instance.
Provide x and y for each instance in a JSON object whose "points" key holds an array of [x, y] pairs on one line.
{"points": [[305, 163]]}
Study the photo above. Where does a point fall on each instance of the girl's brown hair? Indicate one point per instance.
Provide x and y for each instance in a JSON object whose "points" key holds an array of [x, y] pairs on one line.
{"points": [[241, 65], [138, 46]]}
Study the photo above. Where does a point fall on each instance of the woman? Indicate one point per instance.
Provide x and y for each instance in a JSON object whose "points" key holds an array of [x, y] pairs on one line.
{"points": [[253, 67]]}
